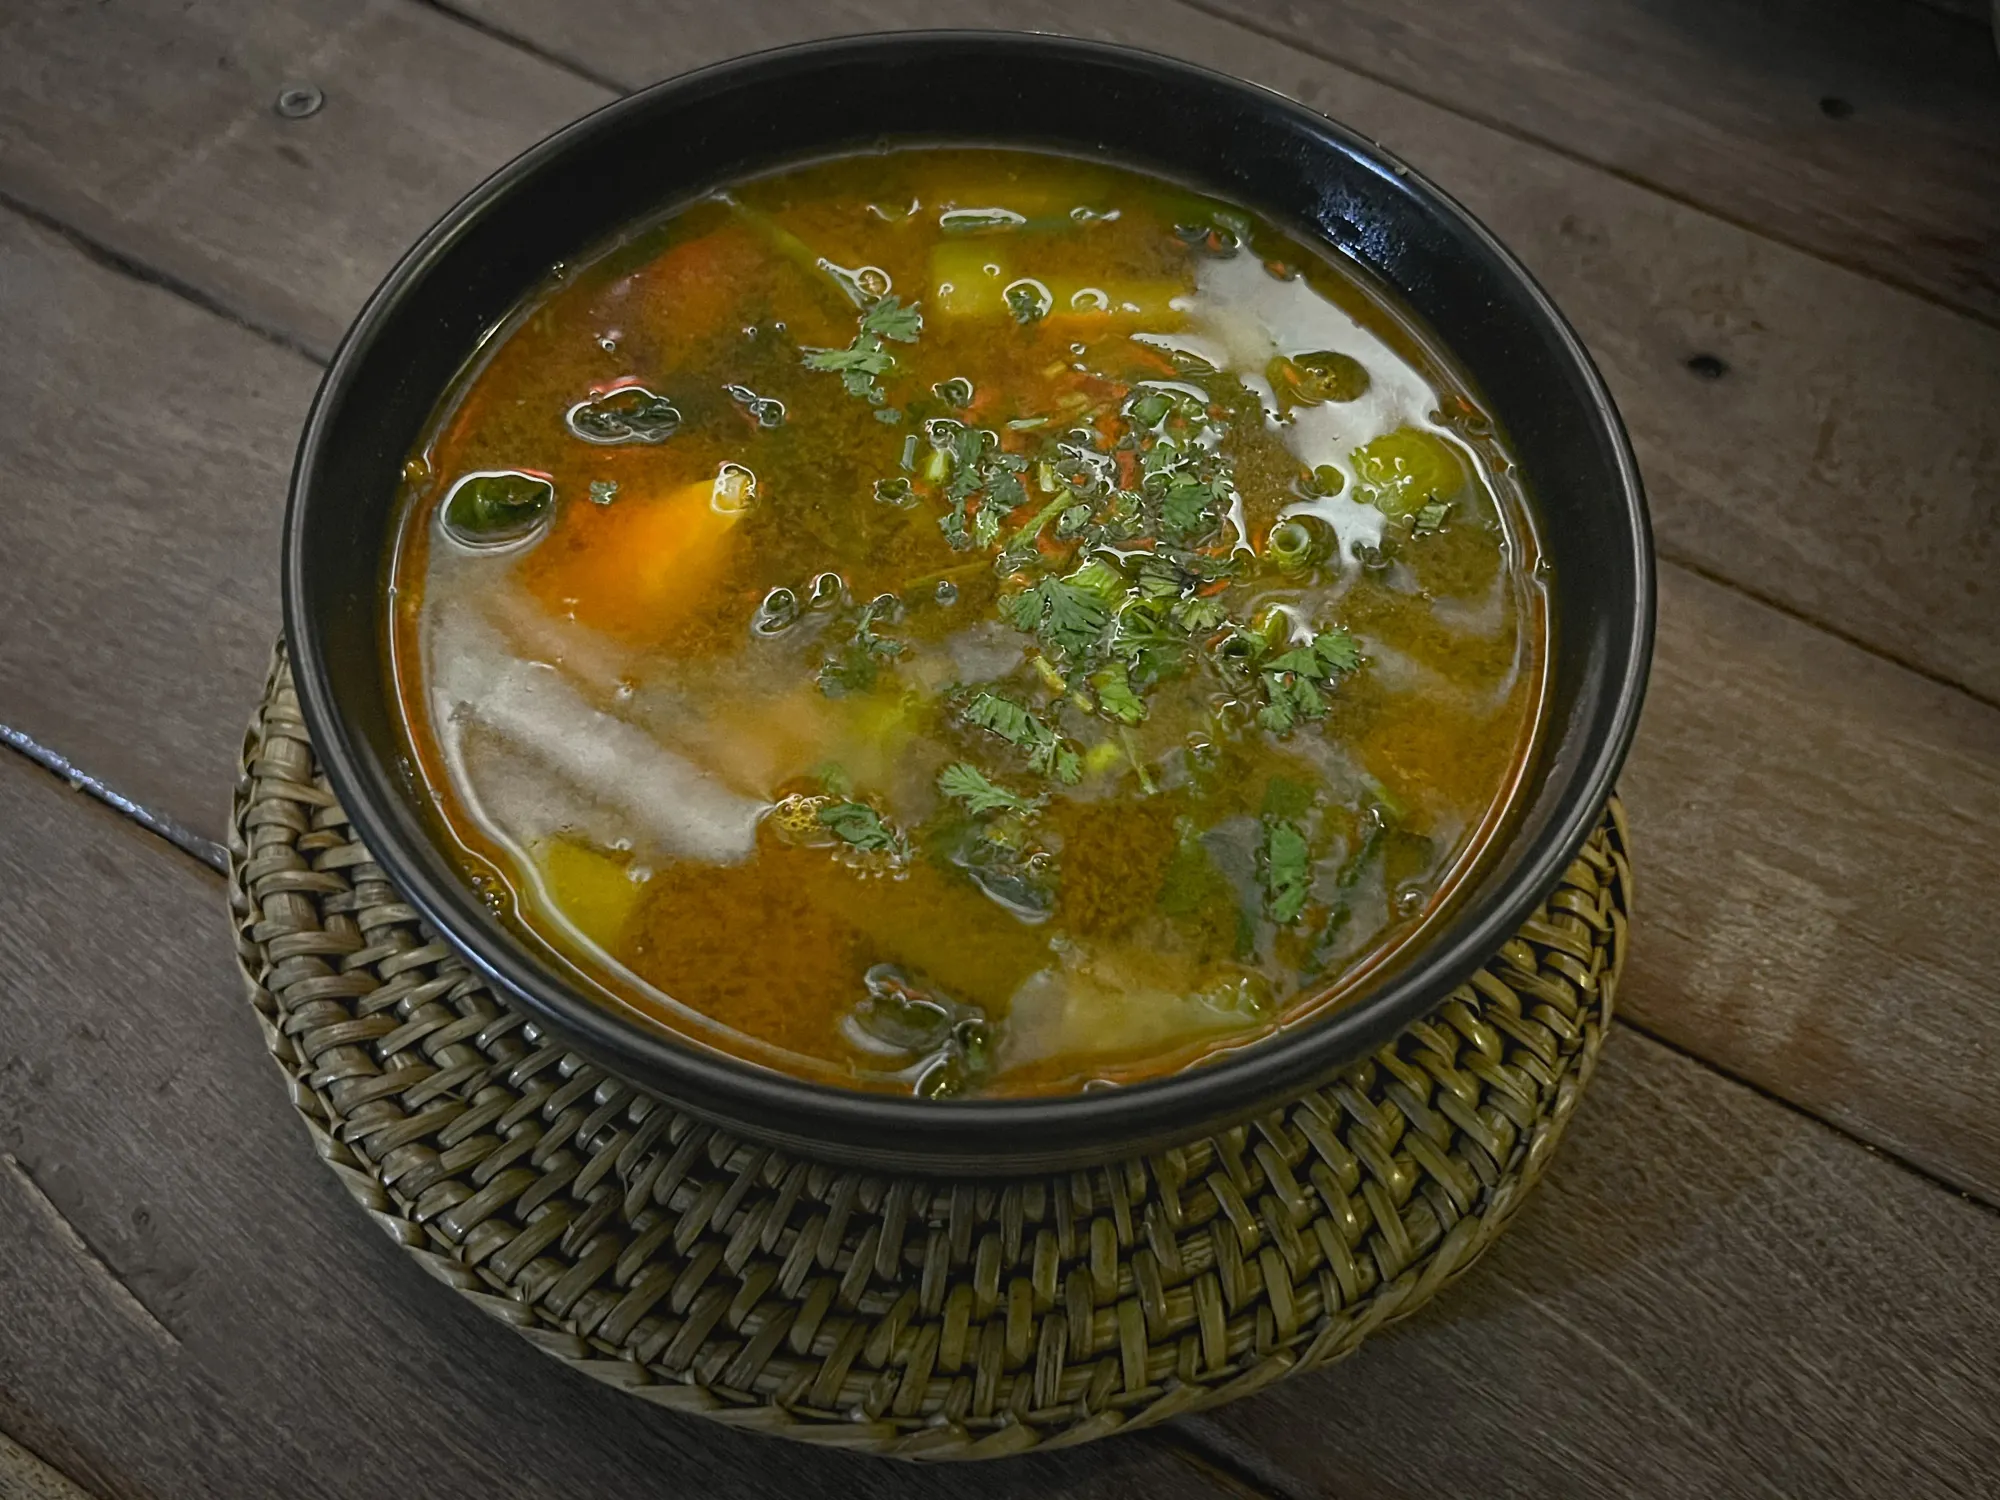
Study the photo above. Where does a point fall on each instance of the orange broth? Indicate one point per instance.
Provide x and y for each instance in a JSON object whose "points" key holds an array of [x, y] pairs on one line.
{"points": [[966, 621]]}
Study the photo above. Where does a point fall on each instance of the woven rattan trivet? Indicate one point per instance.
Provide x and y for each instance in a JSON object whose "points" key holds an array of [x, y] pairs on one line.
{"points": [[921, 1319]]}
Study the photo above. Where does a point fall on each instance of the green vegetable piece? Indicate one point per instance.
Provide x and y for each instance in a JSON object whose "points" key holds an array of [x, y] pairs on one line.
{"points": [[1330, 376], [1284, 864], [1294, 545], [864, 358], [897, 492], [1189, 509], [1337, 651], [629, 414], [603, 491], [1431, 518], [956, 391], [492, 508], [966, 784], [863, 362], [1076, 616], [1401, 472]]}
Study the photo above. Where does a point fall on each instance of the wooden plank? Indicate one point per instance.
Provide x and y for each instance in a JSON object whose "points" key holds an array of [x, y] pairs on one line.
{"points": [[1860, 130], [146, 444], [1844, 465], [195, 1307], [1713, 1295], [25, 1477], [1816, 838], [151, 127], [1710, 1295]]}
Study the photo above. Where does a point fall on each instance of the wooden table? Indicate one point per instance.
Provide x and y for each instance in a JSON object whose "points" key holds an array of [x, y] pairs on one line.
{"points": [[1768, 1260]]}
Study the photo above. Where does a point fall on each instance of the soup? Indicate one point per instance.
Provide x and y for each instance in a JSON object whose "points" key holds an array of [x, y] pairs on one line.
{"points": [[965, 621]]}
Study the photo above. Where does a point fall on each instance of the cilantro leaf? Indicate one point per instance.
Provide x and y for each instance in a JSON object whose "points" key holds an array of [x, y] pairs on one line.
{"points": [[1001, 716], [1115, 698], [1337, 652], [1185, 510], [861, 827], [866, 357], [1284, 864], [1049, 754], [1075, 619], [967, 784], [888, 318]]}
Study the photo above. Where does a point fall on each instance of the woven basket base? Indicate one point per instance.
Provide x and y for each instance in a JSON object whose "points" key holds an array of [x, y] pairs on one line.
{"points": [[917, 1318]]}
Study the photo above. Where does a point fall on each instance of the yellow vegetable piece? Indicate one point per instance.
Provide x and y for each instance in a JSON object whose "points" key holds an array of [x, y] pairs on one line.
{"points": [[1401, 472], [638, 565], [594, 890]]}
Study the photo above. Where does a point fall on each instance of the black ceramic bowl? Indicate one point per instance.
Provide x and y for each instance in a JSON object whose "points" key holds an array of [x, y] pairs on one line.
{"points": [[685, 136]]}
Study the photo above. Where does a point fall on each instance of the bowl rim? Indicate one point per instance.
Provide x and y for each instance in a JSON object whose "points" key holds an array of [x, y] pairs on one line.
{"points": [[972, 1135]]}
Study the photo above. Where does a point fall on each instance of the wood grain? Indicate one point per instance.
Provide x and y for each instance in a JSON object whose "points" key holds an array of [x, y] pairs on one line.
{"points": [[1862, 130], [195, 1307], [1845, 465], [150, 127], [146, 445], [1818, 857], [1712, 1295]]}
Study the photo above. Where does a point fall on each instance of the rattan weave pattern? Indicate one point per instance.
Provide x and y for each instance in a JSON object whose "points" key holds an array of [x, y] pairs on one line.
{"points": [[921, 1319]]}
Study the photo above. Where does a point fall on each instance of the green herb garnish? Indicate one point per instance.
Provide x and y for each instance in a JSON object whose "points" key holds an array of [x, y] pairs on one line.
{"points": [[1049, 754], [1284, 864], [1292, 680], [965, 783], [859, 826], [862, 363]]}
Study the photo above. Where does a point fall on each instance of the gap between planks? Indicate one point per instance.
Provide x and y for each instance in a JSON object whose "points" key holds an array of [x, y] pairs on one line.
{"points": [[72, 1240]]}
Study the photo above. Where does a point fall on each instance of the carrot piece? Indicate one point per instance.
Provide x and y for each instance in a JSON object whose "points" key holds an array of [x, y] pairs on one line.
{"points": [[636, 566]]}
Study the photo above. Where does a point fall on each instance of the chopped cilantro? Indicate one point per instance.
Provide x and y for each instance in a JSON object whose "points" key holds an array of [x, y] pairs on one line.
{"points": [[1291, 679], [889, 319], [861, 827], [1284, 864], [869, 359], [1115, 698], [1069, 617], [967, 784], [1049, 754], [1185, 509], [862, 363]]}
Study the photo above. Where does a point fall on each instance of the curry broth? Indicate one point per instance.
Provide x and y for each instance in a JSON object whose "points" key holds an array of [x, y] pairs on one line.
{"points": [[957, 620]]}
